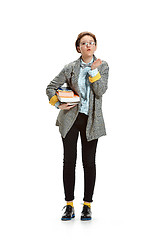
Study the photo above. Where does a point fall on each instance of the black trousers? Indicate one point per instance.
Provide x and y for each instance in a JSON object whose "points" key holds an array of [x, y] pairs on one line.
{"points": [[88, 159]]}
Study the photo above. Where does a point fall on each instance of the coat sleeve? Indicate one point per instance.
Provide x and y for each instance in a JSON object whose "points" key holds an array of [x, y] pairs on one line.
{"points": [[51, 89], [99, 83]]}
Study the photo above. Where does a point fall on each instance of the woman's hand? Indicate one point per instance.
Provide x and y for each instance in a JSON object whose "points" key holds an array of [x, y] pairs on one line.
{"points": [[66, 106], [96, 63]]}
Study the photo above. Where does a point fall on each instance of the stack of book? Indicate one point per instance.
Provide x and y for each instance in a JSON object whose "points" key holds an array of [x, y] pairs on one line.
{"points": [[66, 95]]}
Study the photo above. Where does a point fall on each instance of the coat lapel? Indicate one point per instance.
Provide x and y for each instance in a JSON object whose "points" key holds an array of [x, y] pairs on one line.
{"points": [[75, 76]]}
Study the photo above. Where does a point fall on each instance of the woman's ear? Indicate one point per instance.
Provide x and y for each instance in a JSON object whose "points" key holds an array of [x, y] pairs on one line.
{"points": [[78, 49]]}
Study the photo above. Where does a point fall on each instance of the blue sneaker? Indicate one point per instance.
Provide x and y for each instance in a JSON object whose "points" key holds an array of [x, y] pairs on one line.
{"points": [[69, 213], [86, 213]]}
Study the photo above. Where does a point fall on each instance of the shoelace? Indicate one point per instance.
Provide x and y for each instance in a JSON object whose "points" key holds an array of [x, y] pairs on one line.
{"points": [[86, 210], [65, 207]]}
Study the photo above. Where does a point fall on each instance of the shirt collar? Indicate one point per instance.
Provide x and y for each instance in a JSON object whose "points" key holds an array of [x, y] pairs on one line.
{"points": [[86, 63]]}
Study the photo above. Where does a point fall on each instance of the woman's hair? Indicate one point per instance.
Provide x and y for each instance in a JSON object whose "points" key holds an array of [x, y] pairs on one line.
{"points": [[82, 34]]}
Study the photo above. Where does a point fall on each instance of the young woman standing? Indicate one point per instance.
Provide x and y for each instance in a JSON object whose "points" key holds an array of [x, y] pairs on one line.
{"points": [[88, 77]]}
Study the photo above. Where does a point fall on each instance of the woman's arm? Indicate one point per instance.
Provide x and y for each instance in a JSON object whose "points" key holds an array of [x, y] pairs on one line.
{"points": [[66, 106], [99, 83], [58, 81]]}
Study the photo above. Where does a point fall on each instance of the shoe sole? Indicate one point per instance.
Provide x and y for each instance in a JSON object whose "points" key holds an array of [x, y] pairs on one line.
{"points": [[67, 219], [85, 219]]}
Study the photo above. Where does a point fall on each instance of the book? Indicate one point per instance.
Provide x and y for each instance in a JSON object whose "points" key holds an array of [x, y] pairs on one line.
{"points": [[72, 100], [66, 95], [65, 92]]}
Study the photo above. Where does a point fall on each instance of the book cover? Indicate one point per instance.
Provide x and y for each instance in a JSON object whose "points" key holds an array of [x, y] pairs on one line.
{"points": [[65, 92], [66, 95], [75, 99]]}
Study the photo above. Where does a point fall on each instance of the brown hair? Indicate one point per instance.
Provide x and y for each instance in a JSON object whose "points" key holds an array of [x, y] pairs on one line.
{"points": [[82, 34]]}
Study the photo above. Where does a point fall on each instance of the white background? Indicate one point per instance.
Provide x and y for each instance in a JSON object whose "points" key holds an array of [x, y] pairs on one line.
{"points": [[37, 40]]}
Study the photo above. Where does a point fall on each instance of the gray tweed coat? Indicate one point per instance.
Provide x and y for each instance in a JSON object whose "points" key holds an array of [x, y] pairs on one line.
{"points": [[70, 73]]}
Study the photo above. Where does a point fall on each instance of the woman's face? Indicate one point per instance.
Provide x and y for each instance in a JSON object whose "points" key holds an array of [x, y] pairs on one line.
{"points": [[87, 46]]}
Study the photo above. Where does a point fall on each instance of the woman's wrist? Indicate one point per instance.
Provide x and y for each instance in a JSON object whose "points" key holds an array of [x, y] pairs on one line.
{"points": [[93, 72]]}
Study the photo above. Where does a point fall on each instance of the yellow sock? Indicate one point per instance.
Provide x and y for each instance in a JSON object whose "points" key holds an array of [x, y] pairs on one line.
{"points": [[70, 203], [88, 204]]}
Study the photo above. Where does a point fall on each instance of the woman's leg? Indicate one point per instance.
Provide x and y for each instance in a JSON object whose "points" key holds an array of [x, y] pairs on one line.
{"points": [[89, 165], [69, 162], [88, 159]]}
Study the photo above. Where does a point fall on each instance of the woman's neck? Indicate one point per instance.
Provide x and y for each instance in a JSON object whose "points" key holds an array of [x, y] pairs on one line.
{"points": [[87, 59]]}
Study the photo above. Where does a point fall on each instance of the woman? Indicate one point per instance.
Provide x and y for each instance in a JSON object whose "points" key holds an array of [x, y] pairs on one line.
{"points": [[88, 77]]}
